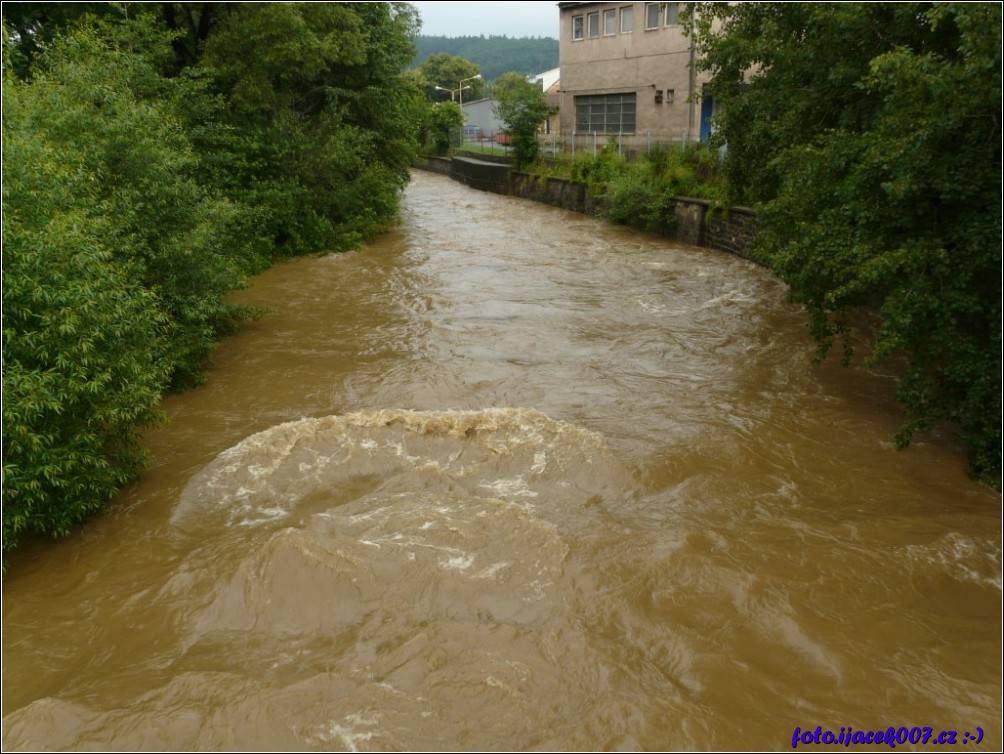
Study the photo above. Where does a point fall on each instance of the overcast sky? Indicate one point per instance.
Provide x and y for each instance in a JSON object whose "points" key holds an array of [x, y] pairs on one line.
{"points": [[532, 18]]}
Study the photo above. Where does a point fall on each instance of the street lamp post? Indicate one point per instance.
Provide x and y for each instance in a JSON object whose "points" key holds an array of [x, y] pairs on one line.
{"points": [[459, 90], [453, 93], [462, 87]]}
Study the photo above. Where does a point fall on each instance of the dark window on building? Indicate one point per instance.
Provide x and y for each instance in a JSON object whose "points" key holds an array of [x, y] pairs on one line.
{"points": [[605, 113], [672, 14]]}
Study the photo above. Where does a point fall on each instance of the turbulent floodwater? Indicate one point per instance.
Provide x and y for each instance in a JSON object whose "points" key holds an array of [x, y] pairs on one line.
{"points": [[510, 478]]}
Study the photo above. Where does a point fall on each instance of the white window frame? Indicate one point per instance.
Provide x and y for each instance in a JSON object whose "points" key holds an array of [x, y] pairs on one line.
{"points": [[609, 22], [590, 18], [627, 13], [673, 9], [648, 16], [582, 28]]}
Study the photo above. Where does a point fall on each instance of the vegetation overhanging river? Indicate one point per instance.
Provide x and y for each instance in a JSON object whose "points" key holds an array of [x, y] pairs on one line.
{"points": [[513, 478]]}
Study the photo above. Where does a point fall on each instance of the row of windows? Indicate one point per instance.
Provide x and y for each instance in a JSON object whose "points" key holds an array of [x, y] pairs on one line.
{"points": [[656, 15]]}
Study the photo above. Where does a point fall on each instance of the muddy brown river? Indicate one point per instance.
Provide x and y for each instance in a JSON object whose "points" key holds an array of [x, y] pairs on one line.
{"points": [[511, 478]]}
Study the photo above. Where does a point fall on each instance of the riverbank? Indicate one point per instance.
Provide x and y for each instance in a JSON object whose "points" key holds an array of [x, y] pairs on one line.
{"points": [[688, 220]]}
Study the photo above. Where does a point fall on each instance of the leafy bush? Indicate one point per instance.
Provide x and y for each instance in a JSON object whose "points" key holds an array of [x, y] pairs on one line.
{"points": [[106, 111], [443, 120], [145, 174], [868, 136], [85, 356], [321, 123], [522, 107], [639, 193], [636, 197]]}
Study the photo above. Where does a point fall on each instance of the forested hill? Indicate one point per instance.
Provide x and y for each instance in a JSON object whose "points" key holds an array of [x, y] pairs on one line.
{"points": [[494, 55]]}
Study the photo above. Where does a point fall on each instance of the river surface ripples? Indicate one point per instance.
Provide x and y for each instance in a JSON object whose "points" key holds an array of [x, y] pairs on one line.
{"points": [[511, 478]]}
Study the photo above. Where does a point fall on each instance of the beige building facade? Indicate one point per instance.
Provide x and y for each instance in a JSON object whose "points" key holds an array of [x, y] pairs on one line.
{"points": [[626, 72]]}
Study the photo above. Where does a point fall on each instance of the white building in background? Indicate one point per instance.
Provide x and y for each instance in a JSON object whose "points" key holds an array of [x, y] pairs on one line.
{"points": [[480, 120], [550, 82]]}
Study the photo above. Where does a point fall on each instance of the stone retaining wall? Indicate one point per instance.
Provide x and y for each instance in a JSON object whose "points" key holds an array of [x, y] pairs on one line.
{"points": [[557, 192], [695, 222]]}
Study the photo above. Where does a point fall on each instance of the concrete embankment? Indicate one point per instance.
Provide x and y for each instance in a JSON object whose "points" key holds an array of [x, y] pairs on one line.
{"points": [[693, 222]]}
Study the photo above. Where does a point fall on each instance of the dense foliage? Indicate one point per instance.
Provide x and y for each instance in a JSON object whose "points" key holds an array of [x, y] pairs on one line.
{"points": [[444, 121], [522, 107], [868, 137], [152, 159], [639, 192], [320, 127], [442, 75], [495, 55]]}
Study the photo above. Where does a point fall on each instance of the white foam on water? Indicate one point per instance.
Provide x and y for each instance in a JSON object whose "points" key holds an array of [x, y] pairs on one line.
{"points": [[345, 731], [509, 488], [510, 453], [491, 571], [962, 558], [460, 562]]}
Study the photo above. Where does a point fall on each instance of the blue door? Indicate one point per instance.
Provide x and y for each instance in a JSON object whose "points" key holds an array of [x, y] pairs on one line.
{"points": [[707, 110]]}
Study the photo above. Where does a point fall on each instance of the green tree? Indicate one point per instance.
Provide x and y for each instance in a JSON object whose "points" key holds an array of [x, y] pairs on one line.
{"points": [[522, 107], [446, 72], [321, 125], [145, 174], [868, 137], [85, 351], [98, 97], [31, 27], [443, 120], [494, 54]]}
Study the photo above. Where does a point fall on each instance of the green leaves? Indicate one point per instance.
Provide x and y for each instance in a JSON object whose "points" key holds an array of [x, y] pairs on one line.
{"points": [[522, 107], [868, 137], [320, 125], [640, 192], [446, 72], [443, 119], [139, 190], [84, 341]]}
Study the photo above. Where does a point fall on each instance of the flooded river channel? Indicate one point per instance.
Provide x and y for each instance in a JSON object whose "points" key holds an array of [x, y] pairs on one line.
{"points": [[511, 478]]}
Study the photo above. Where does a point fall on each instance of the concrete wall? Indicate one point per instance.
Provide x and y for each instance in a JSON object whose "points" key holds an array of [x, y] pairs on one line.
{"points": [[643, 61], [732, 231], [555, 191], [437, 165], [694, 221], [480, 174]]}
